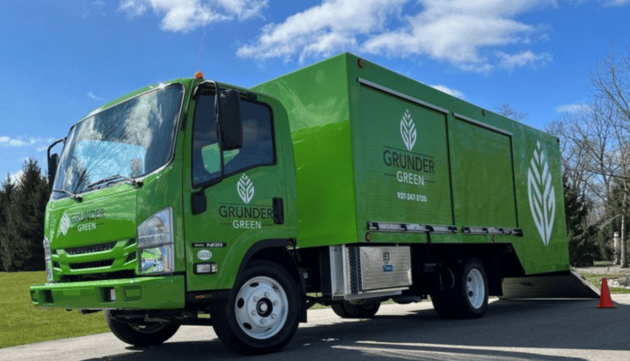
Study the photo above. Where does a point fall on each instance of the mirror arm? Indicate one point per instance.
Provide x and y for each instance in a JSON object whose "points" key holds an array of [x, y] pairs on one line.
{"points": [[198, 200], [52, 145], [217, 120], [51, 178]]}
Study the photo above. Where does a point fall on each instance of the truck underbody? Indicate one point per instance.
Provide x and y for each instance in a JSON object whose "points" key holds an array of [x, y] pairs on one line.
{"points": [[431, 270]]}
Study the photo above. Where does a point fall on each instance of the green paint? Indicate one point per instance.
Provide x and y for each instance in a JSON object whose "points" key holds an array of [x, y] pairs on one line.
{"points": [[346, 154]]}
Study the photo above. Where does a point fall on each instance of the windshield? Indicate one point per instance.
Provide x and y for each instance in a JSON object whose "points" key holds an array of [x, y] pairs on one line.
{"points": [[131, 139]]}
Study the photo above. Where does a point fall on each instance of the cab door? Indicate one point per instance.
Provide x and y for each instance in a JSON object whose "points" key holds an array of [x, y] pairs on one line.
{"points": [[248, 204]]}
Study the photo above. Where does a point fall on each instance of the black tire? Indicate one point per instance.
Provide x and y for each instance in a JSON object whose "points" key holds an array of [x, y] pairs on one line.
{"points": [[346, 309], [441, 302], [141, 333], [470, 301], [235, 328]]}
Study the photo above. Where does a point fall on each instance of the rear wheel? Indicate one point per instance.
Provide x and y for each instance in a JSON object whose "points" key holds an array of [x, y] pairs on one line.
{"points": [[261, 316], [469, 297], [140, 333], [441, 303], [346, 309]]}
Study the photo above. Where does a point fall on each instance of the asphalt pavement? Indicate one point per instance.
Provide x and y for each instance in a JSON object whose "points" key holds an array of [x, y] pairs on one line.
{"points": [[510, 331]]}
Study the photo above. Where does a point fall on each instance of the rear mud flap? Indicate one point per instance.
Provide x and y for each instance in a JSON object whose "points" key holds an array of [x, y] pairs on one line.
{"points": [[553, 285]]}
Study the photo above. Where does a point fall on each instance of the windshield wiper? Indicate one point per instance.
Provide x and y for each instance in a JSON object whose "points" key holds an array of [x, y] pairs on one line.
{"points": [[76, 197], [113, 179]]}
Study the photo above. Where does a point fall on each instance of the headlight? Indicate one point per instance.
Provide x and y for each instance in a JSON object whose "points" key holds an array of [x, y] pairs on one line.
{"points": [[155, 243], [48, 260]]}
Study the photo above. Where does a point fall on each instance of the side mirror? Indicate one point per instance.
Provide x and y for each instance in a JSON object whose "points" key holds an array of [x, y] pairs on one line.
{"points": [[53, 162], [231, 123]]}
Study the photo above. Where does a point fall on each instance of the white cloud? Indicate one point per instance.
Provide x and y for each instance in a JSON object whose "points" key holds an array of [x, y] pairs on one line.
{"points": [[572, 108], [16, 178], [449, 91], [43, 148], [91, 95], [187, 15], [616, 2], [606, 3], [6, 141], [323, 29], [524, 58], [466, 34]]}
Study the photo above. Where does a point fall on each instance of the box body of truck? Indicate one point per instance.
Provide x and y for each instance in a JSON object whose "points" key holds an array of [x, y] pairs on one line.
{"points": [[342, 183], [379, 153]]}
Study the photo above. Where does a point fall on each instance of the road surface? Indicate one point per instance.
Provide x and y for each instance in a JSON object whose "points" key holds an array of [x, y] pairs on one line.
{"points": [[510, 331]]}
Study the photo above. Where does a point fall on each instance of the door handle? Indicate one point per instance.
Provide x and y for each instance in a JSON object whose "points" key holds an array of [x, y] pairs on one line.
{"points": [[278, 211]]}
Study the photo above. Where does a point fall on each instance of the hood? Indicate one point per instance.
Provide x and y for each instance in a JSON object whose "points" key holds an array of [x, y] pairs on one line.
{"points": [[103, 216]]}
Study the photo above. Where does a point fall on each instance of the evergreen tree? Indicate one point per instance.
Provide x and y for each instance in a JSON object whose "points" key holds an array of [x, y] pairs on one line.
{"points": [[583, 249], [6, 192], [25, 220]]}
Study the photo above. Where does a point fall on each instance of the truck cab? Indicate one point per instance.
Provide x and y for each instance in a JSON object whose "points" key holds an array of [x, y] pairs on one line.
{"points": [[158, 199]]}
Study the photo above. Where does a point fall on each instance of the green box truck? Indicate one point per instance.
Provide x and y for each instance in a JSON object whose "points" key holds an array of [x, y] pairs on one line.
{"points": [[344, 184]]}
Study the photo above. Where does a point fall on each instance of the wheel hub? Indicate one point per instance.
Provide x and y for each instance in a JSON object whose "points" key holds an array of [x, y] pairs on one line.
{"points": [[475, 288], [264, 307], [261, 307]]}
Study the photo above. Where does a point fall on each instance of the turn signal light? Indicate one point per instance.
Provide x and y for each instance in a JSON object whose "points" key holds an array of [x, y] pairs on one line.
{"points": [[205, 268]]}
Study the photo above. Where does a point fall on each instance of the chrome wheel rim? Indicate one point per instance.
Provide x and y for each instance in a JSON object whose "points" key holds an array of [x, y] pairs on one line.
{"points": [[475, 288], [261, 307]]}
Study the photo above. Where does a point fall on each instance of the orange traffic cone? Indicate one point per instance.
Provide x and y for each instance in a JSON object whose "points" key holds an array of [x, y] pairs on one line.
{"points": [[604, 299]]}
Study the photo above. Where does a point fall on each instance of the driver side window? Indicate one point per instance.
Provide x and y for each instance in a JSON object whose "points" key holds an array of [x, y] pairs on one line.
{"points": [[258, 144]]}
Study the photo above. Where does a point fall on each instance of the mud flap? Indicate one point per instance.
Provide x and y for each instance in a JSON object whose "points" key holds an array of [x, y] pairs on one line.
{"points": [[568, 284]]}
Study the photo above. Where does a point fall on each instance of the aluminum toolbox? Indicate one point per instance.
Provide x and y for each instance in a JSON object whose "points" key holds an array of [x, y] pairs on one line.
{"points": [[352, 272]]}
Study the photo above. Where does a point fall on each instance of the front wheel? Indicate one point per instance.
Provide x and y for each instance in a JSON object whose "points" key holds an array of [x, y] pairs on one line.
{"points": [[346, 309], [261, 316], [140, 333]]}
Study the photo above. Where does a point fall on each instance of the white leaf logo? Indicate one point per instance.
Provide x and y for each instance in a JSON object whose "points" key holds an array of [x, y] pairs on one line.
{"points": [[541, 193], [245, 189], [64, 223], [408, 130]]}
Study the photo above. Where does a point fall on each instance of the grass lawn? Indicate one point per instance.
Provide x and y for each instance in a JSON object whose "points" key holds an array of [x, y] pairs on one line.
{"points": [[596, 279], [23, 323]]}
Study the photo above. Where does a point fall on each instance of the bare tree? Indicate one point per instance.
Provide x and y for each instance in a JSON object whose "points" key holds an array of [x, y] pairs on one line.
{"points": [[610, 83], [507, 111], [595, 145]]}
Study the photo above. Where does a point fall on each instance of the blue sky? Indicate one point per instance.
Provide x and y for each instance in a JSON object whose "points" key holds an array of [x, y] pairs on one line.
{"points": [[61, 59]]}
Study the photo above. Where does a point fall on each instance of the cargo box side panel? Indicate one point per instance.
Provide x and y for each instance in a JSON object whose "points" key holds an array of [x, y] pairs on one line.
{"points": [[540, 197], [406, 162], [483, 180], [543, 246], [316, 101]]}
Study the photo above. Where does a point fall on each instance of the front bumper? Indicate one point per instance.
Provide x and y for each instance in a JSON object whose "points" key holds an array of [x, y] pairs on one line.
{"points": [[145, 293]]}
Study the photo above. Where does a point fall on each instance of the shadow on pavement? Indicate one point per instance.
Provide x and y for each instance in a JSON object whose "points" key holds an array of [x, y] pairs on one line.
{"points": [[421, 335]]}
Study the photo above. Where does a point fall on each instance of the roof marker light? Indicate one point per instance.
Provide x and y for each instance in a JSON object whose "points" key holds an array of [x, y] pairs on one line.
{"points": [[199, 75]]}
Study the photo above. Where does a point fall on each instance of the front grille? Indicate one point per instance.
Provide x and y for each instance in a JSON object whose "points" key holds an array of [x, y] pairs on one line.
{"points": [[84, 265], [98, 276], [91, 249], [131, 257]]}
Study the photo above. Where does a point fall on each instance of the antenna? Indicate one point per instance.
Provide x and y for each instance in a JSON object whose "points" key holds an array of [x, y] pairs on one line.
{"points": [[203, 39]]}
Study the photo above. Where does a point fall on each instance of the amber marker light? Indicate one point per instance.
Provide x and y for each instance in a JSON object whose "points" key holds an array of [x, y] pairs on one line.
{"points": [[199, 75]]}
